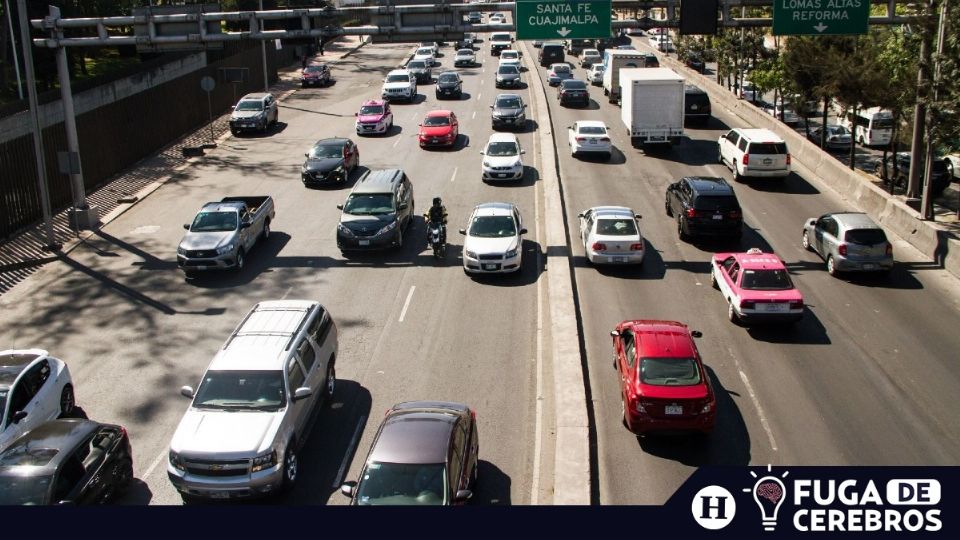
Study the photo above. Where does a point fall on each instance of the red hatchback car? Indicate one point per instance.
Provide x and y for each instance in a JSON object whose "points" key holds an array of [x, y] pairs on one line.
{"points": [[439, 128], [663, 385]]}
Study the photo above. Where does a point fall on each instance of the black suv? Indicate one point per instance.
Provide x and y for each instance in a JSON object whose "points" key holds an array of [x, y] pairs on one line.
{"points": [[508, 110], [940, 174], [573, 91], [449, 84], [696, 105], [704, 206], [694, 61], [377, 212]]}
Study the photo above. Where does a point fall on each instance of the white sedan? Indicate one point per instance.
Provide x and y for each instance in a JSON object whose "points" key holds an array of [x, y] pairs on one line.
{"points": [[510, 57], [427, 55], [589, 137], [611, 235], [465, 57], [596, 75], [34, 387], [494, 239]]}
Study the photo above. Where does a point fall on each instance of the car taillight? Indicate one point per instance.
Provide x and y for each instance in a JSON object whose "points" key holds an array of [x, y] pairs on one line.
{"points": [[691, 212], [747, 305], [889, 248], [636, 247], [597, 246], [473, 414], [581, 139], [605, 139], [796, 304], [735, 214], [746, 159], [788, 159], [842, 249]]}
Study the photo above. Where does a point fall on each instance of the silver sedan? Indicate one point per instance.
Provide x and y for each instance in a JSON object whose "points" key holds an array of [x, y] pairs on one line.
{"points": [[611, 235], [848, 242]]}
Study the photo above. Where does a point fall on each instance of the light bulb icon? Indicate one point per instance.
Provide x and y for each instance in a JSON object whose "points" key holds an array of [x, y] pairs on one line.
{"points": [[769, 494]]}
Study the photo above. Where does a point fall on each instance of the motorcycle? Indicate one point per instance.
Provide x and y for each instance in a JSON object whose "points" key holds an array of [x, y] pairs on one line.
{"points": [[435, 238]]}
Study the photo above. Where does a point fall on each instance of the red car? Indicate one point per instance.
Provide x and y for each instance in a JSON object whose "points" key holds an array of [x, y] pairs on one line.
{"points": [[757, 287], [663, 385], [439, 128]]}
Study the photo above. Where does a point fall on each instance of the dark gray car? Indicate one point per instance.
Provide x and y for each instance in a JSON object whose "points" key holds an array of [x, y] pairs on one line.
{"points": [[508, 110], [420, 70], [849, 242], [425, 453], [449, 85]]}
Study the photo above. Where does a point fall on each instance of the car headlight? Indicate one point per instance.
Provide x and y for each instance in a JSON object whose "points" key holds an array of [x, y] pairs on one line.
{"points": [[707, 407], [264, 461], [388, 228], [176, 461], [339, 169], [487, 164], [181, 251], [342, 229], [225, 249], [518, 163], [470, 254], [512, 253]]}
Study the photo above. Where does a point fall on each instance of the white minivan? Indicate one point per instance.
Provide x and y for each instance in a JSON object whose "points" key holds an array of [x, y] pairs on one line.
{"points": [[754, 153]]}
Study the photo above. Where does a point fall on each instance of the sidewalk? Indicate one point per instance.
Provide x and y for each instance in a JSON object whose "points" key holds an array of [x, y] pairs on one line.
{"points": [[23, 254]]}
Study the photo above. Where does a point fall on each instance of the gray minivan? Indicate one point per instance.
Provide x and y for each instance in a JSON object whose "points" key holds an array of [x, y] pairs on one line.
{"points": [[551, 53], [377, 212], [849, 241]]}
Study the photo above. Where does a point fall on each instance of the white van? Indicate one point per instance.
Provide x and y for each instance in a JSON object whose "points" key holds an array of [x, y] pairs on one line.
{"points": [[870, 127], [754, 153]]}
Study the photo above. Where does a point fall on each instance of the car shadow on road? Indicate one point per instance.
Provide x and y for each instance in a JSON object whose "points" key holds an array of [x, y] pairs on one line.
{"points": [[260, 260], [528, 274], [652, 267], [493, 485], [355, 175], [275, 129], [793, 184], [530, 177], [807, 331], [695, 152], [729, 444], [616, 157], [137, 494]]}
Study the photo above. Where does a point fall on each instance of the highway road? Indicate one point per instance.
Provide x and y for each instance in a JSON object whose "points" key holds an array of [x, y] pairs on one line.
{"points": [[866, 378]]}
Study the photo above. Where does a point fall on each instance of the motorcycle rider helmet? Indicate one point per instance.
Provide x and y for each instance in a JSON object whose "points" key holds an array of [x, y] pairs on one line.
{"points": [[437, 201]]}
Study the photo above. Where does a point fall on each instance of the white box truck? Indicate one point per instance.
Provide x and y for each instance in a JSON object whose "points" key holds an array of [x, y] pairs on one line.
{"points": [[652, 105], [613, 61]]}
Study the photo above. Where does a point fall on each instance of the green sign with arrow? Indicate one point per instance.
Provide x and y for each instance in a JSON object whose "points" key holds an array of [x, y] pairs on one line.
{"points": [[820, 17], [562, 19]]}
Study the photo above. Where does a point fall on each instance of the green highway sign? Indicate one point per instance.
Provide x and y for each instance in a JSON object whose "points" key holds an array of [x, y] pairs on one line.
{"points": [[562, 19], [820, 17]]}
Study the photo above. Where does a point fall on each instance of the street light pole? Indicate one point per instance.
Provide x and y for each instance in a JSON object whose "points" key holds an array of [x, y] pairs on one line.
{"points": [[263, 53], [27, 43], [926, 206], [13, 49]]}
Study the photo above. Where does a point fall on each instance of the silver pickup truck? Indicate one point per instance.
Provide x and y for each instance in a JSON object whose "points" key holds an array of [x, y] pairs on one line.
{"points": [[223, 233]]}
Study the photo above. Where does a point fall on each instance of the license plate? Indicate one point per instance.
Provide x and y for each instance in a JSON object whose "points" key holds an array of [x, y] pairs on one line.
{"points": [[673, 409], [772, 308], [619, 259], [869, 266], [502, 175], [694, 107], [593, 141], [767, 161], [364, 242], [201, 267], [219, 495], [433, 141], [718, 216], [489, 267]]}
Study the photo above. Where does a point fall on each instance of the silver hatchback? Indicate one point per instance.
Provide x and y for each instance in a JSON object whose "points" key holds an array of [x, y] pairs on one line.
{"points": [[848, 242]]}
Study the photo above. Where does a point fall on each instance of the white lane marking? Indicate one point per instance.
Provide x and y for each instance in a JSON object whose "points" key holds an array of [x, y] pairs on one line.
{"points": [[396, 142], [756, 403], [454, 176], [413, 115], [406, 304], [350, 449], [286, 294], [535, 481], [146, 474], [479, 94], [474, 115]]}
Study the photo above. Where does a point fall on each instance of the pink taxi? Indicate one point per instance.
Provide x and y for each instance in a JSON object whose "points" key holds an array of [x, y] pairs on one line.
{"points": [[757, 287], [375, 116]]}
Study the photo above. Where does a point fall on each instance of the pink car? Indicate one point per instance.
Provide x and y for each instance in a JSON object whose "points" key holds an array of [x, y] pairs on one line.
{"points": [[757, 287], [375, 116]]}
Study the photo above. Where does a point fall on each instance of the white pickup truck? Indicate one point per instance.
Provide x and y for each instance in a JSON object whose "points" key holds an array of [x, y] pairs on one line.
{"points": [[223, 232]]}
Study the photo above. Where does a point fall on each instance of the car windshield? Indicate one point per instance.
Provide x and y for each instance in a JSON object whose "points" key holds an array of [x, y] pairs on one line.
{"points": [[398, 77], [19, 490], [574, 85], [464, 52], [403, 484], [865, 237], [509, 55], [448, 78], [424, 51], [493, 227], [616, 227], [417, 64], [436, 121], [669, 371], [314, 69], [325, 151], [837, 130], [500, 149], [592, 130], [366, 204], [241, 390], [508, 103], [500, 37], [371, 109], [882, 123], [508, 70], [27, 454], [250, 105], [766, 280], [214, 222]]}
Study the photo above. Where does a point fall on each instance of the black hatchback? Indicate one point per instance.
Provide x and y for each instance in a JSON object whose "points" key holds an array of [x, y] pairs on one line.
{"points": [[573, 91], [330, 161], [66, 461], [449, 84], [704, 206]]}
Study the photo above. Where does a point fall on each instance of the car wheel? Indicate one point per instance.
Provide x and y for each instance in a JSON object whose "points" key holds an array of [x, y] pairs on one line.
{"points": [[732, 313], [623, 413], [330, 382], [720, 158], [736, 173], [240, 260], [266, 230], [666, 207], [67, 401], [806, 242], [290, 467], [713, 281], [680, 232], [832, 266]]}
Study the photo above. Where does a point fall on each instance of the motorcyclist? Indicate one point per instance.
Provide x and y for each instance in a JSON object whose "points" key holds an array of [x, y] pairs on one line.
{"points": [[438, 214]]}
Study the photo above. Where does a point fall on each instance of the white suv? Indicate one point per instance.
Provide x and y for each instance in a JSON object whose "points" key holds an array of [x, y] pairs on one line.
{"points": [[399, 84], [255, 404], [494, 239], [754, 153], [501, 158]]}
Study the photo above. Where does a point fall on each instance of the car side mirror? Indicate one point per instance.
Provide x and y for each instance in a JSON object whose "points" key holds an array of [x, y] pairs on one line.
{"points": [[482, 153], [524, 105], [245, 225], [523, 151], [233, 107], [614, 333], [491, 106], [18, 416], [638, 216], [402, 206], [186, 226], [302, 393], [696, 333], [306, 154], [463, 495], [339, 207], [187, 391], [523, 231], [463, 231], [356, 114], [348, 487], [580, 214]]}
